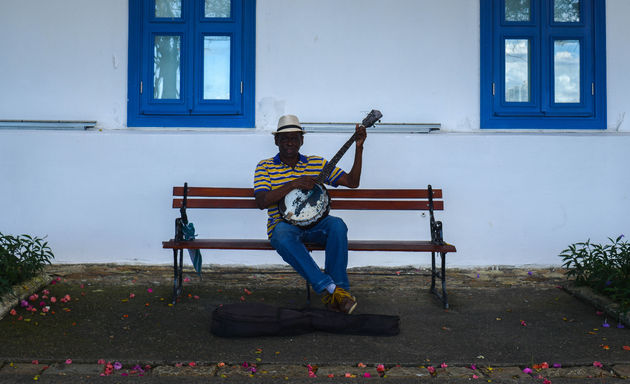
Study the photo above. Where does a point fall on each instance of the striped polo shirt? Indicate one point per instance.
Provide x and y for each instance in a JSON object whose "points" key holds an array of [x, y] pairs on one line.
{"points": [[273, 173]]}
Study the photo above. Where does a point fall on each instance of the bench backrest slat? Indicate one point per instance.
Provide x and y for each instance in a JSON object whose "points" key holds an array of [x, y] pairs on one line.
{"points": [[338, 193], [347, 199]]}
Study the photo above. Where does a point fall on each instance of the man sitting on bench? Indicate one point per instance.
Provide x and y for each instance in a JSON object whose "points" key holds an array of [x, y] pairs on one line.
{"points": [[289, 170]]}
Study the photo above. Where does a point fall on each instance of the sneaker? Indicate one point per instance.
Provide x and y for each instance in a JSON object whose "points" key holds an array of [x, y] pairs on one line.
{"points": [[344, 301]]}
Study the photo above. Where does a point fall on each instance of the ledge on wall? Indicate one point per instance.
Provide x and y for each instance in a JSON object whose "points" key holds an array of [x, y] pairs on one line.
{"points": [[377, 128], [47, 124]]}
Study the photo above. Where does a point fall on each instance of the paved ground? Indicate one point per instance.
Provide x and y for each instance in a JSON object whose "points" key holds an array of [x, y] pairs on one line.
{"points": [[500, 322]]}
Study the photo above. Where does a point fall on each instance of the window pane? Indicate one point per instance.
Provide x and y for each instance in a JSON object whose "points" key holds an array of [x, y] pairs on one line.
{"points": [[217, 8], [166, 68], [566, 11], [216, 67], [517, 10], [566, 67], [517, 70], [168, 8]]}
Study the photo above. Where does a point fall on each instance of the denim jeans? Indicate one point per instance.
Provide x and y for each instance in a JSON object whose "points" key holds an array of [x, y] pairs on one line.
{"points": [[332, 232]]}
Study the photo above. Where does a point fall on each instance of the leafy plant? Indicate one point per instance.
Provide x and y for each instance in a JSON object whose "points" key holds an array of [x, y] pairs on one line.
{"points": [[21, 257], [603, 268]]}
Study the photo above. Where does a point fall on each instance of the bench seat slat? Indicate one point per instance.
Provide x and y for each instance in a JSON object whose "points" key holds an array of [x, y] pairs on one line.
{"points": [[396, 205], [353, 245]]}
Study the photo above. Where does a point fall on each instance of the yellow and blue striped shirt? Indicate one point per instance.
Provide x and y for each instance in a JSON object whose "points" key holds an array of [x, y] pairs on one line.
{"points": [[273, 173]]}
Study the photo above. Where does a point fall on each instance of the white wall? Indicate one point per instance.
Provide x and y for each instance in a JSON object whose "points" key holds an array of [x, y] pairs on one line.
{"points": [[511, 198]]}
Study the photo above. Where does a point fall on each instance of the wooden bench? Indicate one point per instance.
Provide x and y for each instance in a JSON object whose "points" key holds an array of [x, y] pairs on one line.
{"points": [[341, 199]]}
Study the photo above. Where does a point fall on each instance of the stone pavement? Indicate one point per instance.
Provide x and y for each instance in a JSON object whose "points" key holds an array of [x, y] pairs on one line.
{"points": [[112, 323]]}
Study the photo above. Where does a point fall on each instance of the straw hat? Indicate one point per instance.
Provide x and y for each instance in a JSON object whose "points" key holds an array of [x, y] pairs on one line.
{"points": [[289, 123]]}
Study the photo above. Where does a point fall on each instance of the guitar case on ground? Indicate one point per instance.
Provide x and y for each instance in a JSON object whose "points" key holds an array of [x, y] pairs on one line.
{"points": [[258, 319]]}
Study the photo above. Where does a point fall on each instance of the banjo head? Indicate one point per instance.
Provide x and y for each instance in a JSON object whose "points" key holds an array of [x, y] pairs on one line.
{"points": [[305, 207]]}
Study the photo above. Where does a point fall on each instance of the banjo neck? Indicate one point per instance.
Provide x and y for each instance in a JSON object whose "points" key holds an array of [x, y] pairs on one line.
{"points": [[328, 168]]}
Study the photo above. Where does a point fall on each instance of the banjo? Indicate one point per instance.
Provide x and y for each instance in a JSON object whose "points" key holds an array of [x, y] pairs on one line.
{"points": [[303, 207]]}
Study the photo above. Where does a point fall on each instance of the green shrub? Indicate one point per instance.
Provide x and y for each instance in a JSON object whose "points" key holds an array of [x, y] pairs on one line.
{"points": [[603, 268], [21, 257]]}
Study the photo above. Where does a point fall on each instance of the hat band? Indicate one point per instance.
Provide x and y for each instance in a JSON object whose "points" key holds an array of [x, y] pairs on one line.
{"points": [[289, 126]]}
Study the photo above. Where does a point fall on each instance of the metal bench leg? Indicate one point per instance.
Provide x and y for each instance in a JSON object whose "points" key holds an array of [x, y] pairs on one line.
{"points": [[177, 274], [433, 272], [443, 276], [175, 287]]}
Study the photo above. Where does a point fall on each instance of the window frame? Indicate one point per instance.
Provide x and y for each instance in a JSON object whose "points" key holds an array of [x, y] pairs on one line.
{"points": [[191, 110], [542, 112]]}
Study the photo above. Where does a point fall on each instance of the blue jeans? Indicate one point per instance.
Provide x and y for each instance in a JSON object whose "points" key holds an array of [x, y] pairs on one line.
{"points": [[332, 232]]}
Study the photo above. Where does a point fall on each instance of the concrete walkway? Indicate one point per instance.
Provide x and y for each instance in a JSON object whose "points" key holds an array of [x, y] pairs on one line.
{"points": [[500, 323]]}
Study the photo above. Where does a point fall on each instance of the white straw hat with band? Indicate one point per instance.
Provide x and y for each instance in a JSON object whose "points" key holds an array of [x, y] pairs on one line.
{"points": [[289, 123]]}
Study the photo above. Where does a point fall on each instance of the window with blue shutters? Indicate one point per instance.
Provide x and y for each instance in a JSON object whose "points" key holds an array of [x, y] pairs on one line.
{"points": [[543, 64], [191, 63]]}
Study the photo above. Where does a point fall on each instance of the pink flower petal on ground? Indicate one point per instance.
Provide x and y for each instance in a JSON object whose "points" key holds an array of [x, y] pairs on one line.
{"points": [[475, 376], [100, 362], [544, 365], [597, 364], [69, 361], [473, 367], [35, 362], [430, 369], [132, 295], [556, 365], [527, 370], [13, 312], [546, 381], [117, 365], [196, 297], [361, 365], [367, 374], [150, 290], [523, 323], [186, 279], [380, 368], [23, 303], [53, 299], [192, 364], [443, 365]]}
